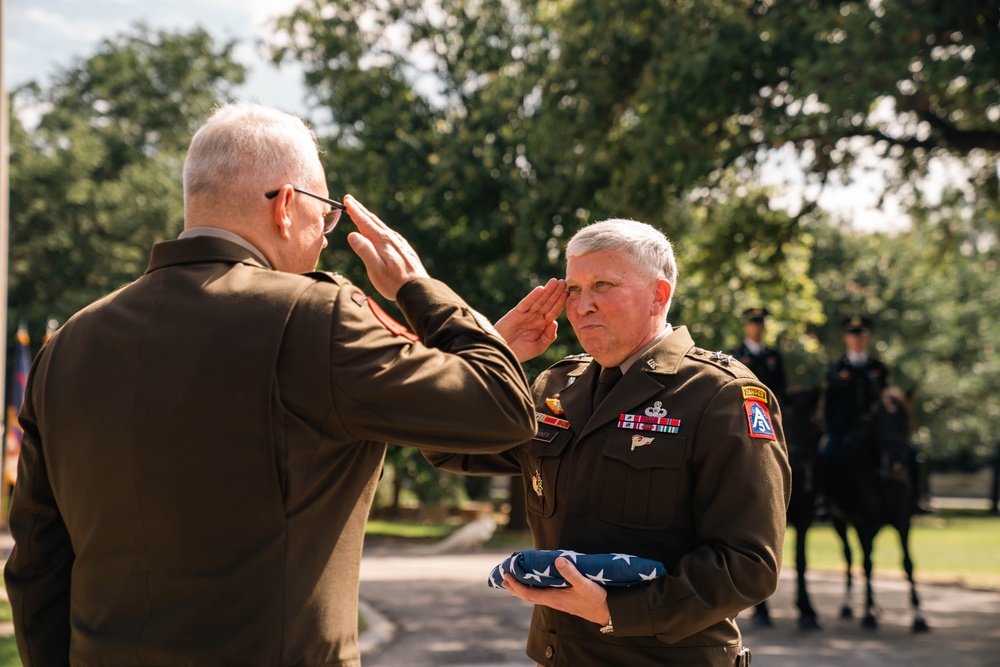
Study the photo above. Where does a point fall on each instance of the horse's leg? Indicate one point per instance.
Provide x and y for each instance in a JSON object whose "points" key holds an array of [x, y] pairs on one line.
{"points": [[919, 623], [807, 615], [867, 539], [841, 527], [762, 616]]}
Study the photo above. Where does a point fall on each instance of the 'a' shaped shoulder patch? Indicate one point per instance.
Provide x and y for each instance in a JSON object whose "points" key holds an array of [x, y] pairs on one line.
{"points": [[759, 419]]}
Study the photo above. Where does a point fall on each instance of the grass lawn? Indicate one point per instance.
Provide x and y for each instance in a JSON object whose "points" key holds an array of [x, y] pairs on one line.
{"points": [[948, 547]]}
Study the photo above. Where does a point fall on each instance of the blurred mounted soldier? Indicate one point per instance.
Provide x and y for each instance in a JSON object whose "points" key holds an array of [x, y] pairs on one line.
{"points": [[854, 384]]}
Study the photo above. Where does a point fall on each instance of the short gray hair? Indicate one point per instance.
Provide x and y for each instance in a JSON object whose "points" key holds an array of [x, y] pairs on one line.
{"points": [[245, 148], [646, 248]]}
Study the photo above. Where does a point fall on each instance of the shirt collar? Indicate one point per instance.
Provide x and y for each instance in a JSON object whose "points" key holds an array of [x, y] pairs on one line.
{"points": [[857, 358], [754, 347], [625, 365], [228, 236]]}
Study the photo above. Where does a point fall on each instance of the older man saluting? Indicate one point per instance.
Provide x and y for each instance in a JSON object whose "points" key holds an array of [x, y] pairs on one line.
{"points": [[647, 446]]}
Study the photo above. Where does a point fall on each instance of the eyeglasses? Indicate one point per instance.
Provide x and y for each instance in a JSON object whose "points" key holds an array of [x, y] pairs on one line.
{"points": [[330, 218]]}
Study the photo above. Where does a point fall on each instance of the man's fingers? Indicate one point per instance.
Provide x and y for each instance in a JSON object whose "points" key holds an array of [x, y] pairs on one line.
{"points": [[569, 572], [367, 222], [550, 332], [364, 249]]}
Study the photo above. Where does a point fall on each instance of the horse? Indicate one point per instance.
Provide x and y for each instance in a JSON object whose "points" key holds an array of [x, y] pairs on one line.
{"points": [[802, 435], [870, 487]]}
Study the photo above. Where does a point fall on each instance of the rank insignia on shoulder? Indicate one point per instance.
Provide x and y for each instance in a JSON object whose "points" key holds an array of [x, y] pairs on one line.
{"points": [[722, 358], [555, 405], [536, 483], [758, 419], [755, 392], [551, 421]]}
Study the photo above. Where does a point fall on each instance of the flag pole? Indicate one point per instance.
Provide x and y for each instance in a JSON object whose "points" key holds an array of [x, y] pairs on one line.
{"points": [[4, 210]]}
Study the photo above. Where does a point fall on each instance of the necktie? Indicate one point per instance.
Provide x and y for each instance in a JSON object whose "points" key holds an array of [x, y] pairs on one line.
{"points": [[609, 377]]}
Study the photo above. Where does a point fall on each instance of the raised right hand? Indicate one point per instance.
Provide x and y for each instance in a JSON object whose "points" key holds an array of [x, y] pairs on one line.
{"points": [[388, 257], [530, 326]]}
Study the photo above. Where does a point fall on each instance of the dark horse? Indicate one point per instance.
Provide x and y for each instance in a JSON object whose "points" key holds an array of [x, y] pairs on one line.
{"points": [[869, 487], [802, 434]]}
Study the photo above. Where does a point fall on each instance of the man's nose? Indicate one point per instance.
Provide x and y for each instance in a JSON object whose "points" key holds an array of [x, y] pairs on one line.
{"points": [[585, 304]]}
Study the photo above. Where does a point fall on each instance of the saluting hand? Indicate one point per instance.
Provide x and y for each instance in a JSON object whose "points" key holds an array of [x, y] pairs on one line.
{"points": [[530, 326], [388, 257], [585, 599]]}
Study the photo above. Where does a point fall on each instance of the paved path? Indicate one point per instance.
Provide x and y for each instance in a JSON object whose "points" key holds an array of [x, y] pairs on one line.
{"points": [[446, 616]]}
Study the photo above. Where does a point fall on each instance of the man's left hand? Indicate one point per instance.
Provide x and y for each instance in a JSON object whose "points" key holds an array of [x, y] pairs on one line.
{"points": [[585, 599]]}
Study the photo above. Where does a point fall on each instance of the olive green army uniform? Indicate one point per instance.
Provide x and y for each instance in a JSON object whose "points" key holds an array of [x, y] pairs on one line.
{"points": [[201, 450], [705, 494]]}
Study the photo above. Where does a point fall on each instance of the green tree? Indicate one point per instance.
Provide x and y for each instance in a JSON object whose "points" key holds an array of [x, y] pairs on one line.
{"points": [[98, 180]]}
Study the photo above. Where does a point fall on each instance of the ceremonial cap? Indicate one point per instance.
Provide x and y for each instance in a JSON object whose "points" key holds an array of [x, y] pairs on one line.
{"points": [[857, 324], [755, 314]]}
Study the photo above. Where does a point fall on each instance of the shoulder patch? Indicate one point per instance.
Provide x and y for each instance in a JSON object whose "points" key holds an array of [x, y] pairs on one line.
{"points": [[755, 392], [758, 419]]}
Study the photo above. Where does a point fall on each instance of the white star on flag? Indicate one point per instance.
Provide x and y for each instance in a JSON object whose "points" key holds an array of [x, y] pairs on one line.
{"points": [[571, 554], [652, 575], [625, 557], [599, 577]]}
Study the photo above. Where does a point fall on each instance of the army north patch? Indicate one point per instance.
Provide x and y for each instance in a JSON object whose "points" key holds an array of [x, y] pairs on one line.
{"points": [[758, 419]]}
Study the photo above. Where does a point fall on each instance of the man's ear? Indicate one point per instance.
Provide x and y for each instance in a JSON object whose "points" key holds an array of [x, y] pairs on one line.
{"points": [[281, 211], [661, 294]]}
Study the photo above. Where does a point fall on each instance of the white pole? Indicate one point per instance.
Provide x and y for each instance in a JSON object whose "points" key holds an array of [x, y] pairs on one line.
{"points": [[4, 210]]}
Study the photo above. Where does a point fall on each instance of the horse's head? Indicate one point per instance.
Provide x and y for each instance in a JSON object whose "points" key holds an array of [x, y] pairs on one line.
{"points": [[889, 432]]}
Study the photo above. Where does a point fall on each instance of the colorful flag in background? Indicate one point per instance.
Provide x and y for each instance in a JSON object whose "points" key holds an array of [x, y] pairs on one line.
{"points": [[19, 379]]}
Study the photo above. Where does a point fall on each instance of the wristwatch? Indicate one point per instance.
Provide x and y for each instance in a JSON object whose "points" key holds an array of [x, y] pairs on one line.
{"points": [[608, 629]]}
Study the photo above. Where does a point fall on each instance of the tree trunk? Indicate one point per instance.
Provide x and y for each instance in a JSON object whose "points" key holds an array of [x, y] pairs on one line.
{"points": [[995, 491]]}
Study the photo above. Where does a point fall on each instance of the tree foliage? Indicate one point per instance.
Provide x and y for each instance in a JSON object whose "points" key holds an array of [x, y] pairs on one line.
{"points": [[98, 180], [489, 132]]}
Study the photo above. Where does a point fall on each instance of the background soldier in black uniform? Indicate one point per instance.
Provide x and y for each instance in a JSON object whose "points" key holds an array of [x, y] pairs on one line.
{"points": [[853, 384], [763, 361]]}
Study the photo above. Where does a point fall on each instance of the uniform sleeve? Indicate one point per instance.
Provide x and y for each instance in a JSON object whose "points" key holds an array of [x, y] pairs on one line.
{"points": [[741, 492], [37, 573], [458, 388], [504, 463]]}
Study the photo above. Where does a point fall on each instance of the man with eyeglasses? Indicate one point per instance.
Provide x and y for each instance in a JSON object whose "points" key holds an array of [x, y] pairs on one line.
{"points": [[201, 447]]}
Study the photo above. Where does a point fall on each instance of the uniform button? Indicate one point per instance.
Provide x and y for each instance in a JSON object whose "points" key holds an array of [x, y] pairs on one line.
{"points": [[549, 652]]}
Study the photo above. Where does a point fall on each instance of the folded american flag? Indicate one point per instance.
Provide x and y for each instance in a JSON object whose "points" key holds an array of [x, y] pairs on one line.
{"points": [[535, 567]]}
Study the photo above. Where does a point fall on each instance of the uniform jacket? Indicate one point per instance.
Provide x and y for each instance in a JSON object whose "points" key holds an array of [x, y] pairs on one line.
{"points": [[201, 450], [767, 365], [708, 501], [850, 393]]}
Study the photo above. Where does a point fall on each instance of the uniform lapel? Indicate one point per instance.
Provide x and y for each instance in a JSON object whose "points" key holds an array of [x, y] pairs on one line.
{"points": [[576, 397], [644, 380]]}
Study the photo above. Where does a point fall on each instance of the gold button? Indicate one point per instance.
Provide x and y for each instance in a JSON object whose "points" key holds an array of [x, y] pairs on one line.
{"points": [[549, 652]]}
